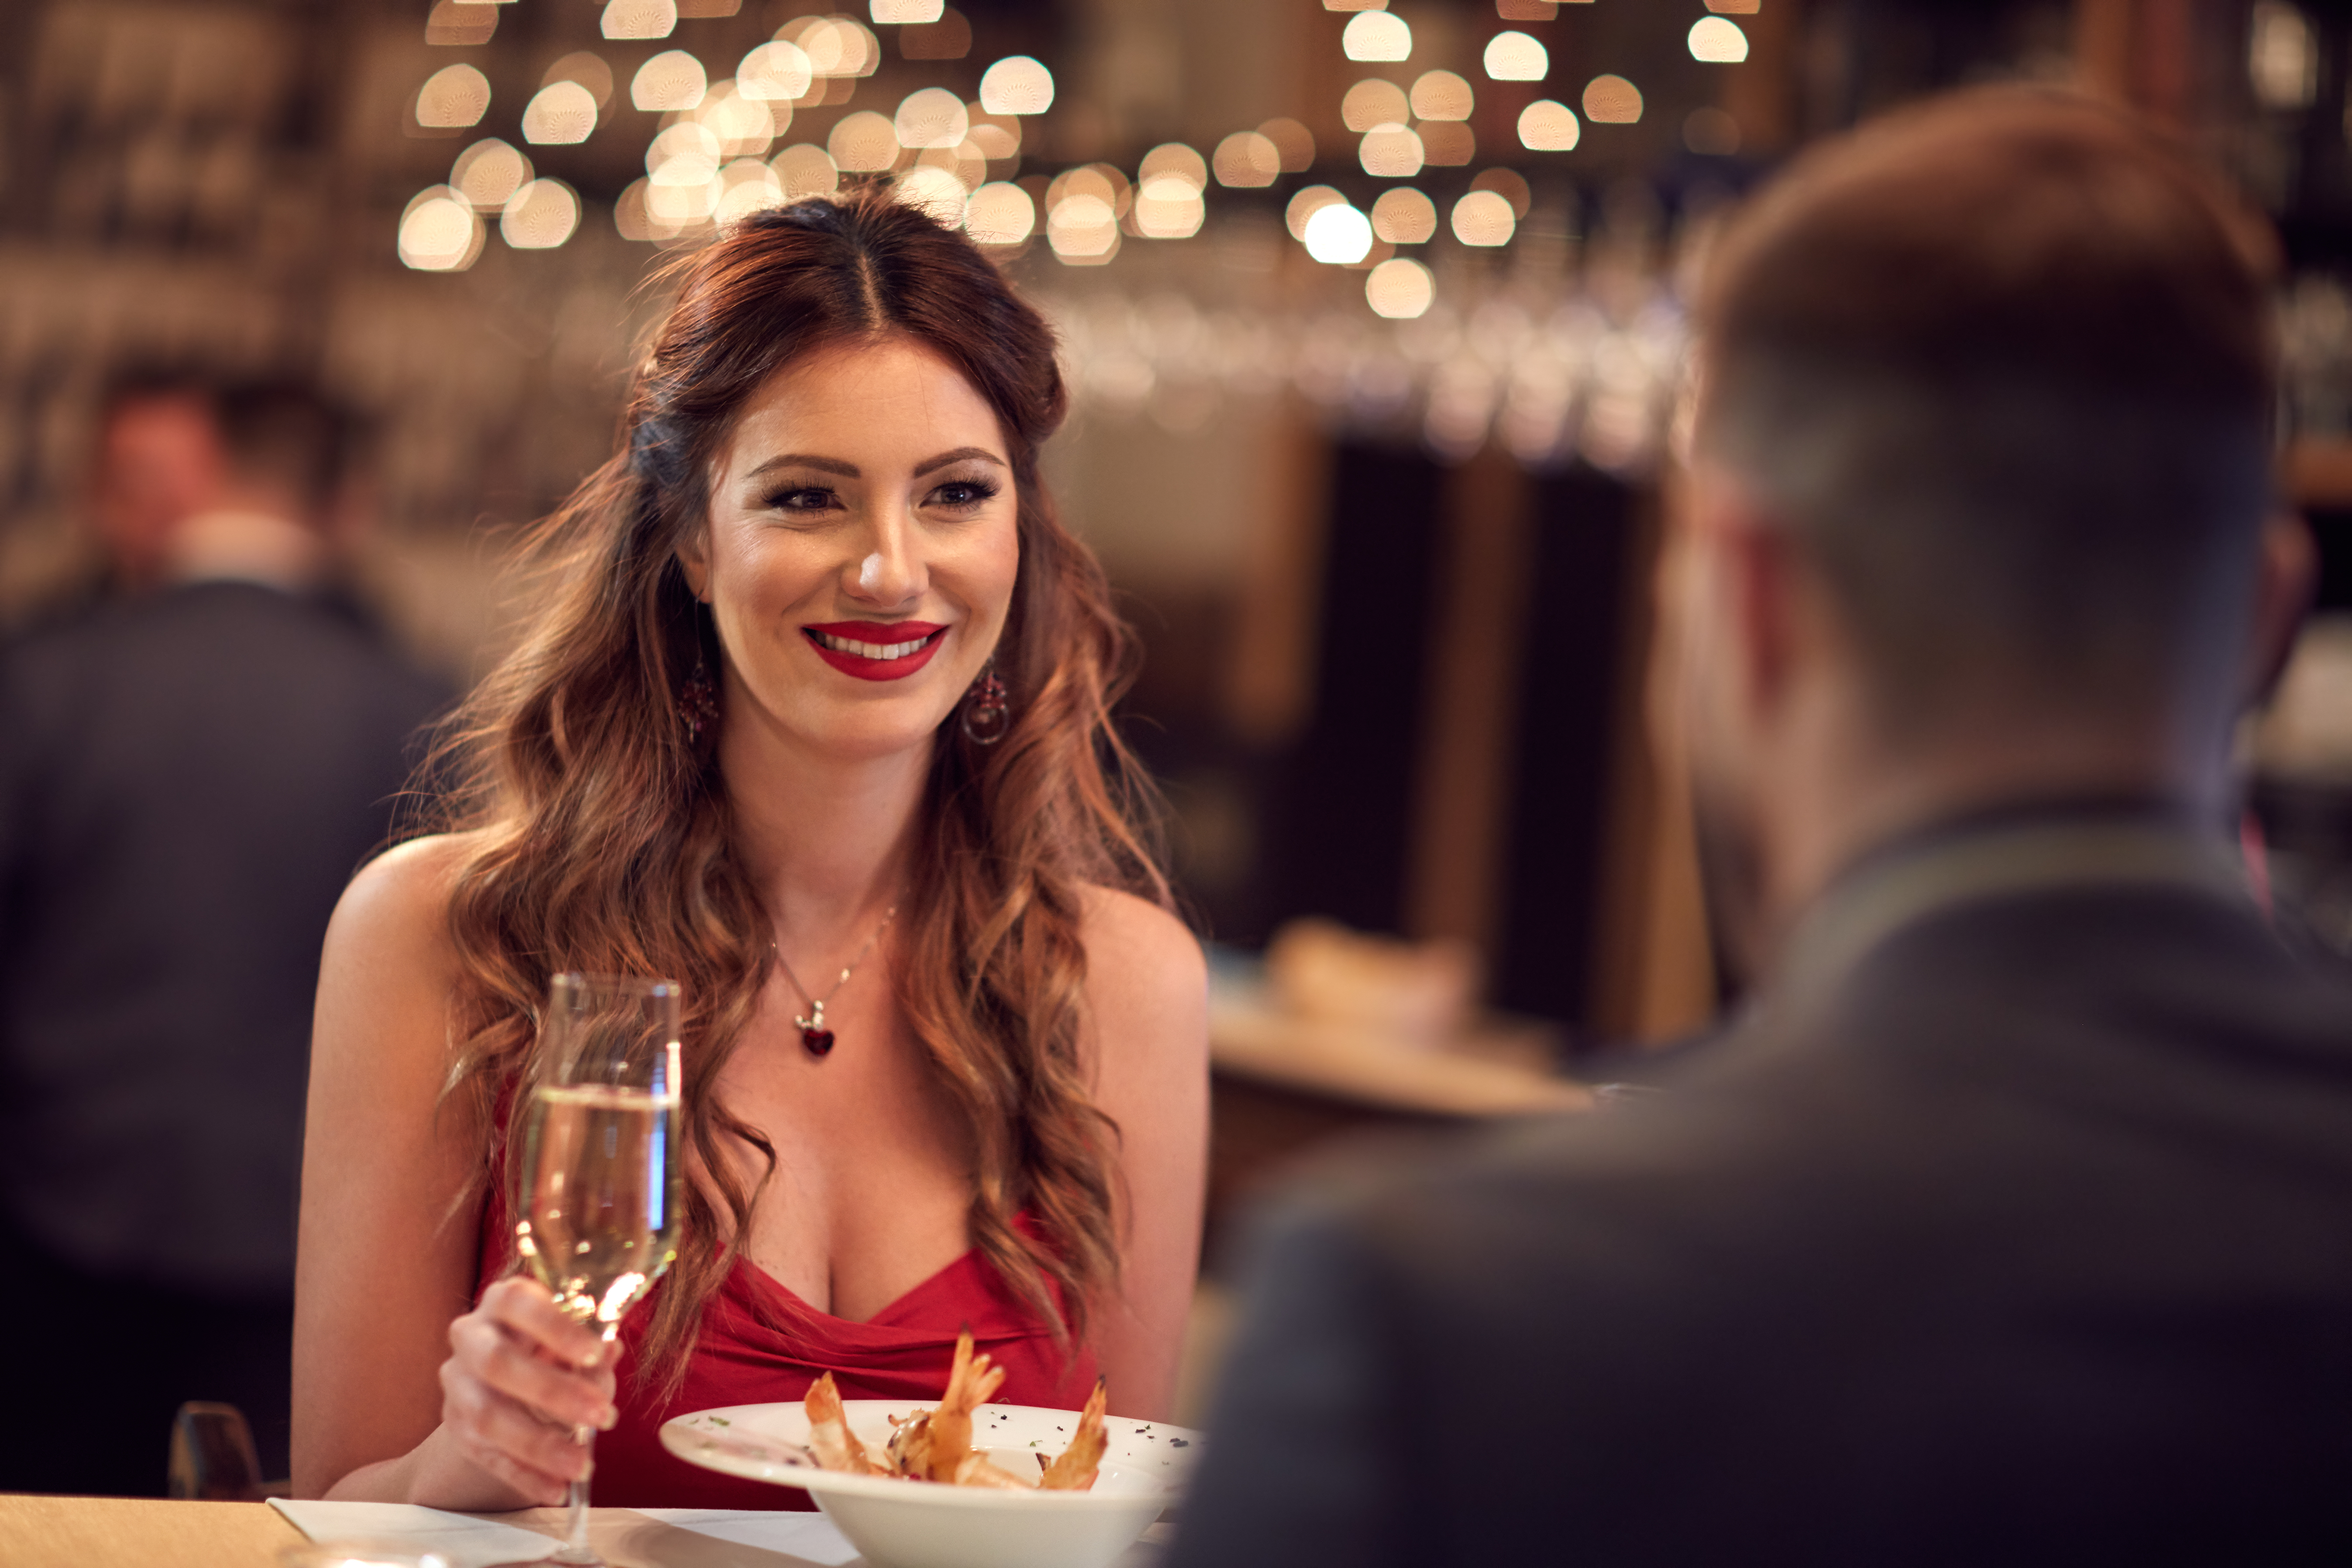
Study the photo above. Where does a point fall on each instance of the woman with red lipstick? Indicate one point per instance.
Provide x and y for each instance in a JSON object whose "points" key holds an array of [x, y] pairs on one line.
{"points": [[815, 721]]}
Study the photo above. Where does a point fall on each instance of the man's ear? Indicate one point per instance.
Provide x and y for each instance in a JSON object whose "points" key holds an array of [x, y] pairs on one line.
{"points": [[694, 560], [1751, 564], [2286, 580]]}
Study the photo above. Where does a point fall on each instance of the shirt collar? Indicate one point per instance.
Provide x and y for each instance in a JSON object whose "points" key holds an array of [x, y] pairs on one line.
{"points": [[2020, 850]]}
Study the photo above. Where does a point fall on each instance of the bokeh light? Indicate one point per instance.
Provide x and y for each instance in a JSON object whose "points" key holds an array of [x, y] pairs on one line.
{"points": [[586, 68], [452, 23], [1400, 290], [1404, 216], [900, 13], [1507, 184], [1293, 141], [669, 81], [745, 186], [453, 98], [1449, 144], [1247, 159], [805, 170], [438, 232], [1441, 95], [1484, 218], [687, 150], [1082, 228], [488, 173], [629, 216], [1611, 100], [744, 126], [541, 216], [864, 143], [1717, 41], [836, 46], [1305, 205], [1547, 126], [1177, 160], [1376, 36], [1515, 56], [1000, 212], [1735, 8], [1167, 206], [1102, 181], [776, 69], [1017, 85], [933, 191], [1338, 234], [562, 112], [1374, 102], [1391, 153], [640, 18], [932, 117]]}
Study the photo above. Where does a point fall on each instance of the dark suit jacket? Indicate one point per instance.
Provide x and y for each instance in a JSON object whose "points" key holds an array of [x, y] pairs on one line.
{"points": [[186, 783], [2014, 1226]]}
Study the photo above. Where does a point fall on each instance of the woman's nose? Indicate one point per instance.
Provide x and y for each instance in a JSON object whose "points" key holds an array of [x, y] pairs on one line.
{"points": [[890, 572]]}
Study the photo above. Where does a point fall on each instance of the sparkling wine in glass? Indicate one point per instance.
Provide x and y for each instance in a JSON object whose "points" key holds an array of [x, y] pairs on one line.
{"points": [[602, 1193]]}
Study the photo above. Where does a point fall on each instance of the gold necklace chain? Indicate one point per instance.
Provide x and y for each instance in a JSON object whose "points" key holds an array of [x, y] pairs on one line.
{"points": [[814, 1036]]}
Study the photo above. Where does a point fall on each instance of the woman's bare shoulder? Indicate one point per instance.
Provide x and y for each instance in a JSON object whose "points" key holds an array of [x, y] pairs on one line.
{"points": [[396, 911], [1143, 963], [1116, 924]]}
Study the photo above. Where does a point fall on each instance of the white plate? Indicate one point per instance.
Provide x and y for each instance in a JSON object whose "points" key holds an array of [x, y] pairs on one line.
{"points": [[909, 1524]]}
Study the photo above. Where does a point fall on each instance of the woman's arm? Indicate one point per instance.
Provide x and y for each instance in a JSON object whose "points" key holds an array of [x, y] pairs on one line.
{"points": [[1148, 995], [401, 1393]]}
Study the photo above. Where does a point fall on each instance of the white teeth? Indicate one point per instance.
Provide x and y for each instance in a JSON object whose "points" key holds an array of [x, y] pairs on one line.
{"points": [[870, 649]]}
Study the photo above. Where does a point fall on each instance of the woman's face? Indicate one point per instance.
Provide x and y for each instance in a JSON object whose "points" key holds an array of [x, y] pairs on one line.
{"points": [[861, 548]]}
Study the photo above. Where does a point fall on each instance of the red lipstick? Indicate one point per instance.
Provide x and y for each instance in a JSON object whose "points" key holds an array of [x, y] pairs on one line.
{"points": [[875, 650]]}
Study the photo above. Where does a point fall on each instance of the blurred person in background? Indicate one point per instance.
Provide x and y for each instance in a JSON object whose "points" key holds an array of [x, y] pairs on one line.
{"points": [[190, 770], [2014, 1222]]}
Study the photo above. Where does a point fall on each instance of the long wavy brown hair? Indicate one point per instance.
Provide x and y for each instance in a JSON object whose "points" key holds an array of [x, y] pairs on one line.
{"points": [[603, 838]]}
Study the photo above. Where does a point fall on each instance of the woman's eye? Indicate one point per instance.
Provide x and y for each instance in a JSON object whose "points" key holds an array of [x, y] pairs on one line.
{"points": [[810, 498], [963, 495]]}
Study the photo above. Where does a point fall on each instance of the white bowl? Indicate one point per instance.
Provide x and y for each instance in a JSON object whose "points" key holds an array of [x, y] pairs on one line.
{"points": [[911, 1524]]}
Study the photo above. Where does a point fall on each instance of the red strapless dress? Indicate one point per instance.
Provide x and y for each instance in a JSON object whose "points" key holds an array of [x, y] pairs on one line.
{"points": [[760, 1344]]}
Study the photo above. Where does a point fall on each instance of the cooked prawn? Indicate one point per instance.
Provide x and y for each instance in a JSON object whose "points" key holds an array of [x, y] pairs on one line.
{"points": [[835, 1446], [1074, 1469], [971, 1380]]}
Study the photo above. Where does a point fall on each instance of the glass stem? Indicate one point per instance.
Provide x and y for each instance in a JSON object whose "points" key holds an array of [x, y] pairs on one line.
{"points": [[575, 1530]]}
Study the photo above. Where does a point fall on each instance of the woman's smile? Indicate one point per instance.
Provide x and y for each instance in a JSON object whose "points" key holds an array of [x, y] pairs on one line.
{"points": [[872, 650]]}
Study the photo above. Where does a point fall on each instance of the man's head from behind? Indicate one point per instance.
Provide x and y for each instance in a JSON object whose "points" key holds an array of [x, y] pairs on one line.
{"points": [[1985, 454], [173, 447]]}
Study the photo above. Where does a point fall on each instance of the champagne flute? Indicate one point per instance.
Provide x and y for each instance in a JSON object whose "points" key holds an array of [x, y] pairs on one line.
{"points": [[602, 1184]]}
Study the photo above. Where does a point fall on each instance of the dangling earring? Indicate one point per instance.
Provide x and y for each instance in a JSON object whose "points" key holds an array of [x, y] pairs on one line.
{"points": [[697, 700], [987, 713]]}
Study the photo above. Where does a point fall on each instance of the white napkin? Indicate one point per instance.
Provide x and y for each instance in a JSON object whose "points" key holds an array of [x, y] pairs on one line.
{"points": [[627, 1538]]}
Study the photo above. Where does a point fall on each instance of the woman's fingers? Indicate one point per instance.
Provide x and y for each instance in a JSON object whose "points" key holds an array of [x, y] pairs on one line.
{"points": [[521, 1385], [523, 1307], [507, 1364], [509, 1440]]}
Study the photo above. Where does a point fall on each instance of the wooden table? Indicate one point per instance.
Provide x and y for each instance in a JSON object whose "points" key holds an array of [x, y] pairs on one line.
{"points": [[135, 1532]]}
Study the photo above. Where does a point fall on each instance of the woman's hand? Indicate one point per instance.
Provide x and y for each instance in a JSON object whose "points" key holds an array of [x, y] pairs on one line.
{"points": [[521, 1389]]}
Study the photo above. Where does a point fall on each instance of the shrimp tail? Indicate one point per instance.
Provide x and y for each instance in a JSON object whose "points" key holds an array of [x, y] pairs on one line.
{"points": [[1075, 1468], [835, 1446]]}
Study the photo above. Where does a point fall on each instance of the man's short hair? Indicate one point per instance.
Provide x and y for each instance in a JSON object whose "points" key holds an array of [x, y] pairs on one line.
{"points": [[2005, 364]]}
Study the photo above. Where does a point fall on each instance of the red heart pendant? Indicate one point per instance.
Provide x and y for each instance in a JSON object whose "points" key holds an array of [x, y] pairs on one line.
{"points": [[818, 1041]]}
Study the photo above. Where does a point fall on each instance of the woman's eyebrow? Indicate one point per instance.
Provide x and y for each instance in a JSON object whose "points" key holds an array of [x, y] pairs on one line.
{"points": [[805, 460], [958, 456]]}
